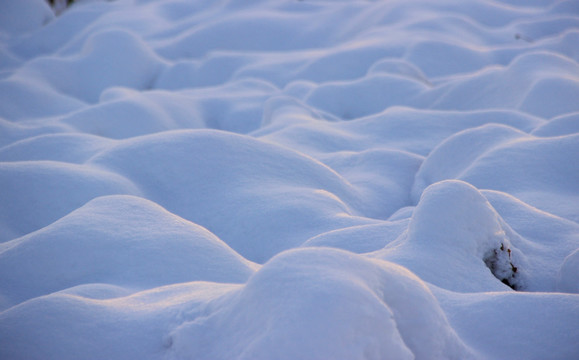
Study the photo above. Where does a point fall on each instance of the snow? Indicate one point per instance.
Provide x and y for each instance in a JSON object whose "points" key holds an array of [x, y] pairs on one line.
{"points": [[23, 16], [289, 179], [386, 308]]}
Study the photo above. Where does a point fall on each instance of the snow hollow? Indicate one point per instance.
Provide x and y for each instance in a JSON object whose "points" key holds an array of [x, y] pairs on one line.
{"points": [[289, 179]]}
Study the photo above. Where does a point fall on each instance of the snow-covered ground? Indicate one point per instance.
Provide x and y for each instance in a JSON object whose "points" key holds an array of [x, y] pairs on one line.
{"points": [[285, 179]]}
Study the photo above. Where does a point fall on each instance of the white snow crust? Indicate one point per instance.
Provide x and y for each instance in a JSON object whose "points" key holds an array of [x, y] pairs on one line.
{"points": [[289, 179]]}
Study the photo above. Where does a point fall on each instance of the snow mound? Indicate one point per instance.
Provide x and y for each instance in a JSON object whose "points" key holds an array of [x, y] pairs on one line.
{"points": [[454, 224], [103, 61], [117, 240], [133, 324], [492, 166], [41, 192], [332, 304], [245, 191]]}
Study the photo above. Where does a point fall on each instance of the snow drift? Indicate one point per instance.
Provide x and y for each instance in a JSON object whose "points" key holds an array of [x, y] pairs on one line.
{"points": [[289, 179]]}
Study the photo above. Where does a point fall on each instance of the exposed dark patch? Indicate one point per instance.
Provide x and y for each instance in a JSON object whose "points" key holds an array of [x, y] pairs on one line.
{"points": [[500, 263]]}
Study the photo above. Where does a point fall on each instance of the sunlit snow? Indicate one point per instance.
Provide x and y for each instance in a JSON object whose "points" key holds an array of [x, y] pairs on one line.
{"points": [[289, 179]]}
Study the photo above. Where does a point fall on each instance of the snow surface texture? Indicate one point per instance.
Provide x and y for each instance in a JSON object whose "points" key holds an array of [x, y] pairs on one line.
{"points": [[284, 179]]}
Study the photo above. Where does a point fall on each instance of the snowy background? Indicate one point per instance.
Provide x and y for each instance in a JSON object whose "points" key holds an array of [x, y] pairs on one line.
{"points": [[284, 179]]}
